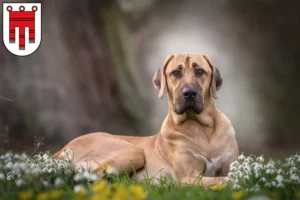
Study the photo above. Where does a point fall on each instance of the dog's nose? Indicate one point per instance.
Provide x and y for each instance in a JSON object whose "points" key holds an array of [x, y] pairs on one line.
{"points": [[189, 93]]}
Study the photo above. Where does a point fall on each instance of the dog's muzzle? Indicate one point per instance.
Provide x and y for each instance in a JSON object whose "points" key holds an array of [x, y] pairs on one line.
{"points": [[190, 100], [189, 94]]}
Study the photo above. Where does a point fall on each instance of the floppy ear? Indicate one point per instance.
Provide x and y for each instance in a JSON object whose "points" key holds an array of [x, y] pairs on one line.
{"points": [[159, 78], [216, 79]]}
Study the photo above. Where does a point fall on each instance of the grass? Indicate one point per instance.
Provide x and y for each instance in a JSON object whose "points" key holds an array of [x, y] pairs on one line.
{"points": [[44, 177]]}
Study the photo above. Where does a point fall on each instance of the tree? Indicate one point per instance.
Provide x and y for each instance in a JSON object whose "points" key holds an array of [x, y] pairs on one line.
{"points": [[83, 77]]}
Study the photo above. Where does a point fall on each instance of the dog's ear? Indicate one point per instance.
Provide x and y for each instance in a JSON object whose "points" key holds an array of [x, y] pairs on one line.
{"points": [[216, 79], [159, 78]]}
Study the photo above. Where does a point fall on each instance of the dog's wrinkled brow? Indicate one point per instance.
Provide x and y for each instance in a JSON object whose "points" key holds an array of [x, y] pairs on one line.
{"points": [[187, 58], [179, 67]]}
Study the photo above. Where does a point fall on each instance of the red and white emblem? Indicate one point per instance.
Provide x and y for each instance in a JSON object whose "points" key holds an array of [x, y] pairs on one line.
{"points": [[22, 27]]}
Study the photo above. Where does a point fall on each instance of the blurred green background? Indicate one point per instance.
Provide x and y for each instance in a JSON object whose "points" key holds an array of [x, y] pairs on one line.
{"points": [[93, 70]]}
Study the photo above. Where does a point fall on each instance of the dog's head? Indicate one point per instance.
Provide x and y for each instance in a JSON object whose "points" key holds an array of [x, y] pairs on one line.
{"points": [[191, 81]]}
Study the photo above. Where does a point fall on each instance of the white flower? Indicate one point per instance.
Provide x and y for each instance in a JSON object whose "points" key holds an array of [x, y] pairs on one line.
{"points": [[23, 166], [297, 158], [239, 174], [230, 174], [257, 167], [9, 165], [246, 177], [61, 165], [247, 169], [259, 198], [23, 156], [268, 185], [79, 169], [46, 157], [256, 188], [279, 178], [86, 175], [234, 164], [280, 185], [241, 167], [45, 183], [227, 179], [78, 188], [241, 157], [16, 156], [236, 186], [260, 159], [9, 177], [2, 176], [67, 154], [93, 177], [59, 182], [51, 170], [78, 177], [280, 171], [37, 157], [20, 182], [257, 175], [291, 163], [8, 155], [262, 179], [293, 170], [270, 171], [295, 177], [249, 160], [270, 165], [233, 168], [32, 165], [35, 171]]}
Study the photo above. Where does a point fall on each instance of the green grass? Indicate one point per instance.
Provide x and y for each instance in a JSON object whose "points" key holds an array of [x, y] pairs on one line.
{"points": [[43, 177]]}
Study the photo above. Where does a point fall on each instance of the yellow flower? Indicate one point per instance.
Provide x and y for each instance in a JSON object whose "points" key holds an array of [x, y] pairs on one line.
{"points": [[42, 196], [138, 192], [54, 194], [82, 192], [120, 193], [80, 195], [105, 167], [98, 197], [101, 188], [297, 194], [238, 194], [25, 195], [217, 187]]}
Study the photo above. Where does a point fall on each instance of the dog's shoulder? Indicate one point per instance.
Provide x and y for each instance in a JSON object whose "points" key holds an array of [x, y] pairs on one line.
{"points": [[225, 124]]}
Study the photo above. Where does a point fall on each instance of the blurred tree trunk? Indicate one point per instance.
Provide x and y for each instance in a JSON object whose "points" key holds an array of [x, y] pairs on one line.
{"points": [[82, 79], [278, 76]]}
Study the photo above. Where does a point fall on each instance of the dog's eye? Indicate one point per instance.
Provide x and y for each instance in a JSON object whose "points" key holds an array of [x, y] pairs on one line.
{"points": [[199, 71], [176, 73]]}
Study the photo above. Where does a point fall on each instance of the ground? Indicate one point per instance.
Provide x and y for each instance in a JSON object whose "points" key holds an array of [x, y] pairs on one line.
{"points": [[44, 177]]}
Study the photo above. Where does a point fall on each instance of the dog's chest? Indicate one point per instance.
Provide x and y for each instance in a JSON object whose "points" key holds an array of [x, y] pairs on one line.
{"points": [[213, 164]]}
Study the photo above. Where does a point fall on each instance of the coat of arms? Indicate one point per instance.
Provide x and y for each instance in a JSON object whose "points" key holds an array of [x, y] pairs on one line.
{"points": [[22, 27]]}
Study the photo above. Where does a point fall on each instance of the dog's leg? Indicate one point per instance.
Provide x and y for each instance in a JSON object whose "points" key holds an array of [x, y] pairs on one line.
{"points": [[93, 151], [210, 181], [203, 181]]}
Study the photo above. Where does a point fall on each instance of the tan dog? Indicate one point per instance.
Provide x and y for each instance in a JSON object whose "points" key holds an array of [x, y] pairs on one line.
{"points": [[195, 138]]}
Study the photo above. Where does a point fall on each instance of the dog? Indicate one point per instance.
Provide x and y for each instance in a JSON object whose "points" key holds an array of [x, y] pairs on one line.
{"points": [[196, 142]]}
